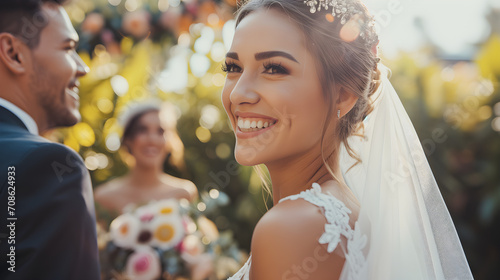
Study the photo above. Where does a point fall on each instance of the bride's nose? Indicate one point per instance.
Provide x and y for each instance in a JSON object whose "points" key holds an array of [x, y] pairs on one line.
{"points": [[244, 91]]}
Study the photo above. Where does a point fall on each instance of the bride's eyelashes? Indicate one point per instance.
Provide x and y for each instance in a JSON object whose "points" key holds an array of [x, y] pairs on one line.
{"points": [[275, 69], [269, 68], [230, 67]]}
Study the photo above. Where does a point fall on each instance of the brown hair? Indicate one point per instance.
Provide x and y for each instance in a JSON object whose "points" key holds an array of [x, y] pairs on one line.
{"points": [[24, 19], [340, 64]]}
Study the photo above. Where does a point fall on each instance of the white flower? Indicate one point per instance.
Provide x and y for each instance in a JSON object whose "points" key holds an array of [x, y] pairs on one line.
{"points": [[124, 230], [146, 213], [143, 264], [167, 207], [167, 230], [192, 245]]}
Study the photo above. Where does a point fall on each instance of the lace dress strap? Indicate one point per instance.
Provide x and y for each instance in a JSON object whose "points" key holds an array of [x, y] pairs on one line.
{"points": [[335, 211], [243, 273], [337, 225]]}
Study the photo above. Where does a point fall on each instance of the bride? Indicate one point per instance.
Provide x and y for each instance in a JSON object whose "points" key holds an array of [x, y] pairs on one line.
{"points": [[354, 197]]}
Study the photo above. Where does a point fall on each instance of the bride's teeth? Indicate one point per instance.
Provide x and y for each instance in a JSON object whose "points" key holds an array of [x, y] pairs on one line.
{"points": [[253, 125]]}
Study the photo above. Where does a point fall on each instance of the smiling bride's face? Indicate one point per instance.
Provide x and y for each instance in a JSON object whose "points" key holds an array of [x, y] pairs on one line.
{"points": [[272, 95]]}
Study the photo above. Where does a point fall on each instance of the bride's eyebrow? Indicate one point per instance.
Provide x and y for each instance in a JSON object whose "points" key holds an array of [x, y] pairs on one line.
{"points": [[232, 55], [265, 55]]}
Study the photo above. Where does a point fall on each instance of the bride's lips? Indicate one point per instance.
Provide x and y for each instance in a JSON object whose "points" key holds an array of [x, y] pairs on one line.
{"points": [[249, 125], [151, 151]]}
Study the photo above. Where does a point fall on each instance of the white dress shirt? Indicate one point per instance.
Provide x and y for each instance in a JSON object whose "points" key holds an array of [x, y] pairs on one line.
{"points": [[28, 121]]}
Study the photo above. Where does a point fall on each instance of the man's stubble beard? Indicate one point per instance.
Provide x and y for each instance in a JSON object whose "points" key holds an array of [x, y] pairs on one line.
{"points": [[53, 106]]}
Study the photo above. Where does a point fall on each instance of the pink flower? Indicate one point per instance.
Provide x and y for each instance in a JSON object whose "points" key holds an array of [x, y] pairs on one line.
{"points": [[93, 23], [143, 264], [136, 23], [170, 19]]}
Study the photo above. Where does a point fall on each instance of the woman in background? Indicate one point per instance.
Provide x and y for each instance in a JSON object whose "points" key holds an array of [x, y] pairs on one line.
{"points": [[149, 137]]}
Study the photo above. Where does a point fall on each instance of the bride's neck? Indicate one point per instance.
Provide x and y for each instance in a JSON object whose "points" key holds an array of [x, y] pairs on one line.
{"points": [[145, 177], [291, 176]]}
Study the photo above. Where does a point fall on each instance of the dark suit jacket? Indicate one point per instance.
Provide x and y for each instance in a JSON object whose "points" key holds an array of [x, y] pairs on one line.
{"points": [[50, 226]]}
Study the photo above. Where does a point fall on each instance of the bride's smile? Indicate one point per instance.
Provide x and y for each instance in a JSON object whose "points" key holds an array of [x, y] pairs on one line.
{"points": [[272, 92], [251, 124]]}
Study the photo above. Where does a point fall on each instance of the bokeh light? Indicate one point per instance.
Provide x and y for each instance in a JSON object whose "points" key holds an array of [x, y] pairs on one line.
{"points": [[120, 85], [210, 115], [113, 142], [203, 134], [84, 134], [495, 124]]}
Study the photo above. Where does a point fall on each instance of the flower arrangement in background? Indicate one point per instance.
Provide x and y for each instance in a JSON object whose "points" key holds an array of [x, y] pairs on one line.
{"points": [[167, 240]]}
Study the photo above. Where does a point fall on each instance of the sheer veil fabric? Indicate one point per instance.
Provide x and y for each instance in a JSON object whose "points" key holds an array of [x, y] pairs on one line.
{"points": [[408, 227]]}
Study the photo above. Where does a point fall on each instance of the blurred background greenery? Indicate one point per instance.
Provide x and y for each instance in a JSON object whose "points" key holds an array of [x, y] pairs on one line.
{"points": [[173, 50]]}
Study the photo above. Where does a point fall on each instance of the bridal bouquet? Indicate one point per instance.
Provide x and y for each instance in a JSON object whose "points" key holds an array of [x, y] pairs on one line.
{"points": [[164, 240]]}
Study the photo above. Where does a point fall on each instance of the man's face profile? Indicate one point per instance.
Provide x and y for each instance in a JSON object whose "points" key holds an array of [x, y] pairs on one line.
{"points": [[55, 69]]}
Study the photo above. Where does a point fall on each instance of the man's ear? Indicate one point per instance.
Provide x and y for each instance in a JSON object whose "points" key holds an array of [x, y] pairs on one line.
{"points": [[12, 53], [345, 101]]}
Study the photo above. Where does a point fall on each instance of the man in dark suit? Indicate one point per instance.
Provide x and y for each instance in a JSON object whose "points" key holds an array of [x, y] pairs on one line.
{"points": [[47, 216]]}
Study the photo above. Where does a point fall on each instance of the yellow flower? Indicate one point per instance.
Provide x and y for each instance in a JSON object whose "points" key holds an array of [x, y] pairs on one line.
{"points": [[167, 230]]}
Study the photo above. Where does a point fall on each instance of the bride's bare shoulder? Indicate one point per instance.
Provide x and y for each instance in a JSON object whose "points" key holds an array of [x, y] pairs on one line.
{"points": [[185, 188], [107, 192], [285, 244]]}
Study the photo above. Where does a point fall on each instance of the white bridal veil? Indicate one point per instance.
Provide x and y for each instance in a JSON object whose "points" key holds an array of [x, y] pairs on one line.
{"points": [[410, 232]]}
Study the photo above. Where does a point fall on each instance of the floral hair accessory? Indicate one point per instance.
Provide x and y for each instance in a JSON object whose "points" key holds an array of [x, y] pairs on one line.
{"points": [[346, 11]]}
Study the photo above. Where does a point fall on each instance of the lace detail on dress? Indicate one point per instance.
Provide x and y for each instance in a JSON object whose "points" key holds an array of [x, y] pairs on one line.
{"points": [[243, 273], [337, 216], [355, 260]]}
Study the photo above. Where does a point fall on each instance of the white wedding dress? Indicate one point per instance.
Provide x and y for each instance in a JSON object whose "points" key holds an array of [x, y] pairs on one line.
{"points": [[337, 225], [404, 230]]}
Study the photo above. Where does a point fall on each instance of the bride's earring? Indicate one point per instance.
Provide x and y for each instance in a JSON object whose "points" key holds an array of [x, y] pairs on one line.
{"points": [[338, 114]]}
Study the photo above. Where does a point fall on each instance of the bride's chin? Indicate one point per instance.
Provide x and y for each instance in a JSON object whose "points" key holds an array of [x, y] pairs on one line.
{"points": [[247, 156], [242, 160]]}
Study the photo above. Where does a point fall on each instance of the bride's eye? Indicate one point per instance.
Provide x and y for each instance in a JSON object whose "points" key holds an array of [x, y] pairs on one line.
{"points": [[275, 68], [229, 67]]}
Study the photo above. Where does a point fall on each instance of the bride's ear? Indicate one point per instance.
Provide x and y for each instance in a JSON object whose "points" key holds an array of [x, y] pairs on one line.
{"points": [[345, 101]]}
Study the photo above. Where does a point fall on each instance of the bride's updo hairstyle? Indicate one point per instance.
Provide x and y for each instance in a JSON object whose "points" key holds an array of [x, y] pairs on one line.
{"points": [[345, 56]]}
